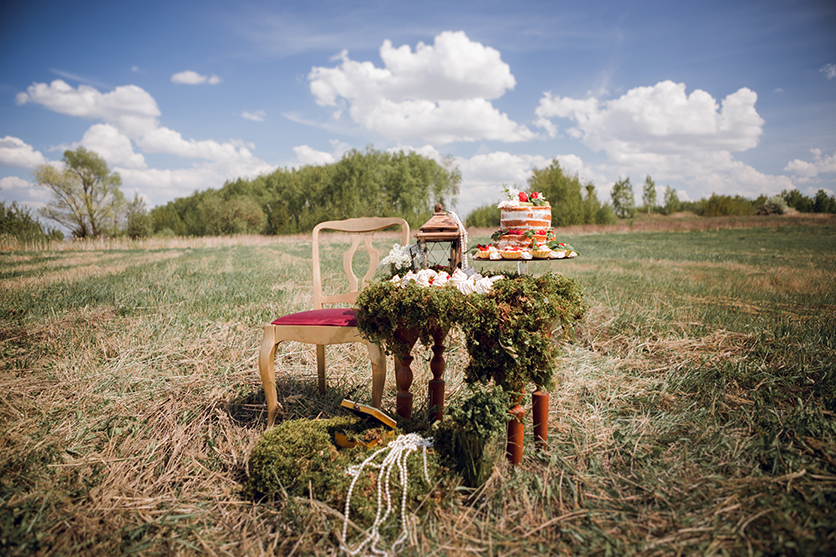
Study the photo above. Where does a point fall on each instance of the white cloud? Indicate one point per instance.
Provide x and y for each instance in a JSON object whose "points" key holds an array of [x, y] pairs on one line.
{"points": [[663, 131], [111, 145], [163, 185], [308, 155], [829, 70], [130, 108], [440, 93], [189, 77], [132, 112], [26, 193], [257, 116], [166, 140], [130, 118], [808, 171], [15, 152], [660, 119]]}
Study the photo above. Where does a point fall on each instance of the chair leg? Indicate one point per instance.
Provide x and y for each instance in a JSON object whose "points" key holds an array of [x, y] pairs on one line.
{"points": [[320, 366], [267, 371], [378, 359]]}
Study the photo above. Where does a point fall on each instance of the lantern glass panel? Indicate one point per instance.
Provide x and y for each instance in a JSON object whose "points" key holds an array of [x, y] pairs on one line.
{"points": [[440, 254]]}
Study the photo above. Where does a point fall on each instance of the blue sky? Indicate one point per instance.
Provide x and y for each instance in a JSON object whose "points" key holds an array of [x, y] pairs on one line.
{"points": [[731, 97]]}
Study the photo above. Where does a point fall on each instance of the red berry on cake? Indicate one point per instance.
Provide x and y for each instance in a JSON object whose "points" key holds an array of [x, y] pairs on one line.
{"points": [[523, 197], [534, 195]]}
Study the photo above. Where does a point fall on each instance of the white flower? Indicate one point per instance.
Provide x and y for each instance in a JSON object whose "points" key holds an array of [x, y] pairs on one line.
{"points": [[458, 277], [483, 286], [424, 277], [466, 282], [399, 259], [441, 279], [409, 276]]}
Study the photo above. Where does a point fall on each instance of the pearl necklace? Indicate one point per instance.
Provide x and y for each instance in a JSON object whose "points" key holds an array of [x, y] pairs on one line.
{"points": [[399, 450], [462, 238]]}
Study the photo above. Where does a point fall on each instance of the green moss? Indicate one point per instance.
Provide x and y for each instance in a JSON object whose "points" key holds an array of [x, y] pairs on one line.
{"points": [[300, 458], [383, 307]]}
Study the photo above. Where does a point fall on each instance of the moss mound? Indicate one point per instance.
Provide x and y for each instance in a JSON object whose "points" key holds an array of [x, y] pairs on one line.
{"points": [[300, 458]]}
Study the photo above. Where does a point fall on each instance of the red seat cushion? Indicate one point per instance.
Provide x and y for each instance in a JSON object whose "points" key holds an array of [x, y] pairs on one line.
{"points": [[331, 317]]}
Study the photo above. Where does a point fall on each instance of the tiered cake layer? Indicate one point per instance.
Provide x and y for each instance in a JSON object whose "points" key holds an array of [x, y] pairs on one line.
{"points": [[525, 218]]}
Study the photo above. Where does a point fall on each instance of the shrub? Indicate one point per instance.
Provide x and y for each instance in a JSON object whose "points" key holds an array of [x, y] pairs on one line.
{"points": [[775, 205], [605, 215]]}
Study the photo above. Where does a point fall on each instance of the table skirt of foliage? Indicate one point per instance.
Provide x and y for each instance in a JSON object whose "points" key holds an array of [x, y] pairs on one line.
{"points": [[508, 331]]}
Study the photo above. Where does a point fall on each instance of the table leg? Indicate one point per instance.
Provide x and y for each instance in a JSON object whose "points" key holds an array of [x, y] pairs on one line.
{"points": [[540, 415], [514, 447], [403, 375], [437, 367], [404, 380]]}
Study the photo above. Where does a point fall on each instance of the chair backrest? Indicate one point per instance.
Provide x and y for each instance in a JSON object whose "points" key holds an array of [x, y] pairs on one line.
{"points": [[360, 230]]}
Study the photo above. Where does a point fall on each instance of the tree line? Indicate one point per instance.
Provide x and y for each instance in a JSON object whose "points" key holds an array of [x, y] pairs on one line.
{"points": [[287, 201], [572, 202], [88, 201]]}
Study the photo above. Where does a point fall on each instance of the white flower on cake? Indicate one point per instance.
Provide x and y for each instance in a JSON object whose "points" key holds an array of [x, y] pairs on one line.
{"points": [[516, 198]]}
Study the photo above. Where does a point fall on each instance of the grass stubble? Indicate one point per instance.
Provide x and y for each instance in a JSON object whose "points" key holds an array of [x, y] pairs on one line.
{"points": [[693, 413]]}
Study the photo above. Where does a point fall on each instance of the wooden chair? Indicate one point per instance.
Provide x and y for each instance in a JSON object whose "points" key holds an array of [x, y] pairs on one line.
{"points": [[324, 326]]}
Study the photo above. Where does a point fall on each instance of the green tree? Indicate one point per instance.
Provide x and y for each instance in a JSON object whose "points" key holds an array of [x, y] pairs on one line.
{"points": [[798, 201], [671, 201], [823, 203], [17, 221], [605, 215], [591, 204], [85, 194], [140, 224], [289, 201], [649, 194], [775, 205], [563, 193], [726, 205], [238, 215], [623, 200], [166, 220]]}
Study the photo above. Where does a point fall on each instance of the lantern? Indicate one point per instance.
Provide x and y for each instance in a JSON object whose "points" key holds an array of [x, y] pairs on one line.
{"points": [[440, 240]]}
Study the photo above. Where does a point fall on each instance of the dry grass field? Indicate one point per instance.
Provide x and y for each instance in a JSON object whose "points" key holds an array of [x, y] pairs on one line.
{"points": [[694, 412]]}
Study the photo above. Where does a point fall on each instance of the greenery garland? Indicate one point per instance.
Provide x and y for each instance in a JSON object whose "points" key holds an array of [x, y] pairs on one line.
{"points": [[384, 307], [507, 331]]}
